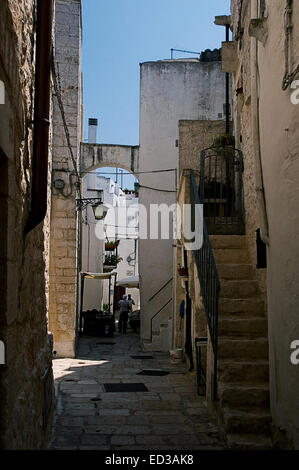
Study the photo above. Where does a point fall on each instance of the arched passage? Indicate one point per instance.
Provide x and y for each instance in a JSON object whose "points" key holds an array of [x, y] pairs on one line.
{"points": [[93, 156], [65, 240], [95, 257]]}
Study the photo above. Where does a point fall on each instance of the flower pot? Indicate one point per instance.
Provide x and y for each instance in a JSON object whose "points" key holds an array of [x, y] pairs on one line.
{"points": [[110, 246], [183, 271]]}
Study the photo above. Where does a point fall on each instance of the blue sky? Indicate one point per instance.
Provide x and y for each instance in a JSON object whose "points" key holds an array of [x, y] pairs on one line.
{"points": [[118, 35]]}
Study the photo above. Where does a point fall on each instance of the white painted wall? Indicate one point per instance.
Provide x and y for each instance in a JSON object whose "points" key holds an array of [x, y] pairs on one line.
{"points": [[92, 248], [170, 91], [93, 254]]}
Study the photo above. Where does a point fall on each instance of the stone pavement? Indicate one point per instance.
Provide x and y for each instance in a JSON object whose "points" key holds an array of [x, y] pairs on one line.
{"points": [[169, 416]]}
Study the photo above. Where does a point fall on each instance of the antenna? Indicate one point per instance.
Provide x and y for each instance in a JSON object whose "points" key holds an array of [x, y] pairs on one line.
{"points": [[182, 50]]}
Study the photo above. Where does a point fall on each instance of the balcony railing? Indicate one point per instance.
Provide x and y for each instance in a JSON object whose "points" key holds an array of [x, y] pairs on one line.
{"points": [[221, 190]]}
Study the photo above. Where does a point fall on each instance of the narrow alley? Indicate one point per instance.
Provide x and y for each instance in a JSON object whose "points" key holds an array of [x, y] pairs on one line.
{"points": [[168, 414], [149, 185]]}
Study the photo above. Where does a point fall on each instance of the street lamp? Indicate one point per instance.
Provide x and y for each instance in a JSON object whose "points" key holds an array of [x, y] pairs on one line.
{"points": [[99, 211]]}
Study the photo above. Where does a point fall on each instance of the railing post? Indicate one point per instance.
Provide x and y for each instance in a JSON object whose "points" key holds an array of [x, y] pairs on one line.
{"points": [[209, 283]]}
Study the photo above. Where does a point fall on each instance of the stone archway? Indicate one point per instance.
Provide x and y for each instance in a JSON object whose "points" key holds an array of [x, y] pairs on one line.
{"points": [[93, 156], [65, 239]]}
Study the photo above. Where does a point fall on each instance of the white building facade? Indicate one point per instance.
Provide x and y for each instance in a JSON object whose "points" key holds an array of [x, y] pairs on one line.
{"points": [[170, 91], [120, 223]]}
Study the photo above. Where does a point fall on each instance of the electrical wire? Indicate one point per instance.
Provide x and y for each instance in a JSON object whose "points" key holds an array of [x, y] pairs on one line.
{"points": [[157, 189], [57, 89], [94, 172]]}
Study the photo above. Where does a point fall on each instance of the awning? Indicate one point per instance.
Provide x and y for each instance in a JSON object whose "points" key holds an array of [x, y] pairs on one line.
{"points": [[98, 275], [132, 281]]}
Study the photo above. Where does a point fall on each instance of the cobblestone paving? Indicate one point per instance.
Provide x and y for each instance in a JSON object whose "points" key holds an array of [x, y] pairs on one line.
{"points": [[169, 416]]}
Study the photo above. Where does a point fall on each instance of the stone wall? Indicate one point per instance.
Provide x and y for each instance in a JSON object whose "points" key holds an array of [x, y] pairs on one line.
{"points": [[194, 136], [243, 134], [278, 130], [23, 258], [64, 249]]}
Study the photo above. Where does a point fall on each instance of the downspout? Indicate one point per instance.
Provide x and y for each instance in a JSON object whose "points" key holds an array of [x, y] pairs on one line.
{"points": [[264, 228], [41, 123]]}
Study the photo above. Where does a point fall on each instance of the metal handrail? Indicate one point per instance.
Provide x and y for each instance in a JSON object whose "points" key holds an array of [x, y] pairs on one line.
{"points": [[209, 282], [157, 313], [161, 288]]}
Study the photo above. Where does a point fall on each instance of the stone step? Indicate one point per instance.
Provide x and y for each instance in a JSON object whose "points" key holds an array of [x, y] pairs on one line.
{"points": [[250, 307], [238, 289], [243, 395], [243, 349], [228, 241], [235, 271], [249, 421], [249, 442], [231, 256], [242, 326], [250, 372], [153, 345]]}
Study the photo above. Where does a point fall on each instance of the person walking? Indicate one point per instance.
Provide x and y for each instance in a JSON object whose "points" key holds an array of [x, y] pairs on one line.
{"points": [[123, 315], [130, 302]]}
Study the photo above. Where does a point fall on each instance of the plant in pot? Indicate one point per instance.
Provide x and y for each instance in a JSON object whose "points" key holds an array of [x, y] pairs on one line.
{"points": [[112, 260], [224, 140], [111, 246], [182, 270], [224, 145]]}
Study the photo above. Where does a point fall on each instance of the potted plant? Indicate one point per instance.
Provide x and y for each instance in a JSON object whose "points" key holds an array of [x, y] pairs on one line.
{"points": [[136, 189], [224, 140], [224, 145], [112, 260], [111, 246], [183, 271]]}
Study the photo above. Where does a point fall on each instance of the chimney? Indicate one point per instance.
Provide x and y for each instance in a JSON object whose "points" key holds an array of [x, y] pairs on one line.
{"points": [[92, 130]]}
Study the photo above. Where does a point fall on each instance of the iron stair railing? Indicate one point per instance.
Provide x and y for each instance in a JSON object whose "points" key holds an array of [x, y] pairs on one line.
{"points": [[161, 288], [209, 282], [156, 314], [162, 308]]}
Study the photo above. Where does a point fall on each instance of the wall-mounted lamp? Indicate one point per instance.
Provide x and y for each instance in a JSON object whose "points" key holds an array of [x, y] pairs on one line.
{"points": [[99, 209]]}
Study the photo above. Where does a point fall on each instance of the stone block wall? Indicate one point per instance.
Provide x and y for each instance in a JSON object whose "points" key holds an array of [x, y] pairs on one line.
{"points": [[278, 137], [194, 136], [23, 258], [243, 132], [65, 235]]}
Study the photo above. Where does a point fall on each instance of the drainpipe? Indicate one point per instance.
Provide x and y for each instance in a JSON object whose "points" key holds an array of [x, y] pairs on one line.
{"points": [[38, 206], [264, 228]]}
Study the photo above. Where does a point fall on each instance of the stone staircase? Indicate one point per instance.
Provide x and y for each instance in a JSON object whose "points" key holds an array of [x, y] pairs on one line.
{"points": [[243, 369], [162, 324], [161, 338]]}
